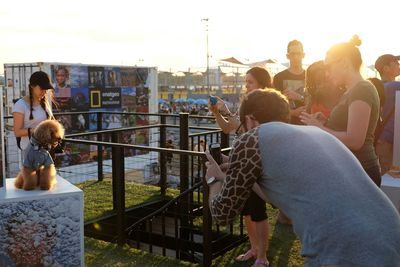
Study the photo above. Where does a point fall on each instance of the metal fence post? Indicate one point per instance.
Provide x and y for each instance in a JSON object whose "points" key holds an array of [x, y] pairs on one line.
{"points": [[163, 158], [118, 184], [184, 145], [184, 176], [100, 175]]}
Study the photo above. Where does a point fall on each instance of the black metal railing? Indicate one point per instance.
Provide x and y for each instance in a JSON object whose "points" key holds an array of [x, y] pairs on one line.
{"points": [[143, 228], [189, 212]]}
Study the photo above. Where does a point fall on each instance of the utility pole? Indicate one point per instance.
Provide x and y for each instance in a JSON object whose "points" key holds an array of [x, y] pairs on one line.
{"points": [[208, 57]]}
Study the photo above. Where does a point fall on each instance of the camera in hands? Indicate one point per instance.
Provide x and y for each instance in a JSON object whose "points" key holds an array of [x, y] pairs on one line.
{"points": [[215, 151]]}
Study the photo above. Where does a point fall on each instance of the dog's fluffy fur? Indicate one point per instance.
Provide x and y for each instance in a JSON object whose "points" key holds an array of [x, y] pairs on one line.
{"points": [[47, 133]]}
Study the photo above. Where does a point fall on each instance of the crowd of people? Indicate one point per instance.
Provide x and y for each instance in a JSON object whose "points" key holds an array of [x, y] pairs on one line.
{"points": [[313, 143], [176, 108]]}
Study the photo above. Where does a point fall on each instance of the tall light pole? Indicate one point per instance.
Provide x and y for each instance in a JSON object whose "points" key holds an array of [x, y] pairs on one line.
{"points": [[208, 57]]}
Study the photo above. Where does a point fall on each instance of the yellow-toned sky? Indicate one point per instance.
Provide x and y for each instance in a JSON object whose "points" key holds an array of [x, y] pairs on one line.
{"points": [[169, 34]]}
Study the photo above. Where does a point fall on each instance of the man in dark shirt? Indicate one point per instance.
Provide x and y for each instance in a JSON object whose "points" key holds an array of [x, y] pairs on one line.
{"points": [[291, 81]]}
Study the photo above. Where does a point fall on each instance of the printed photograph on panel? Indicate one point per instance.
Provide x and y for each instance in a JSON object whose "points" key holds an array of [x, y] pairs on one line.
{"points": [[113, 76], [129, 77], [66, 121], [129, 137], [96, 77], [142, 74], [111, 121], [93, 119], [142, 96], [62, 104], [79, 76], [128, 97], [80, 99], [80, 123], [142, 119], [142, 138], [61, 78], [128, 120]]}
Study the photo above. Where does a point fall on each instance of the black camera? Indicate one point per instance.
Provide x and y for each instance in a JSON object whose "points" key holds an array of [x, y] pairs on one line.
{"points": [[215, 151], [60, 148]]}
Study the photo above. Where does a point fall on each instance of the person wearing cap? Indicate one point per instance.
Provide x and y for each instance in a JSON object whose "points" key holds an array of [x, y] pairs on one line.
{"points": [[33, 108], [388, 67]]}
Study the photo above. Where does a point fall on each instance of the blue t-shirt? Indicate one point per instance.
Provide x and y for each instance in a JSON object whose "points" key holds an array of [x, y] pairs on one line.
{"points": [[341, 217], [390, 99]]}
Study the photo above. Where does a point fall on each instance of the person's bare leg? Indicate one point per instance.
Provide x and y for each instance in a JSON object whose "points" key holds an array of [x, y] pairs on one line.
{"points": [[251, 232], [262, 230]]}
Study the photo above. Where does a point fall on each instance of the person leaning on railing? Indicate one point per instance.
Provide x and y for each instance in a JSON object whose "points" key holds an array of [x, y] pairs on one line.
{"points": [[340, 216], [254, 210]]}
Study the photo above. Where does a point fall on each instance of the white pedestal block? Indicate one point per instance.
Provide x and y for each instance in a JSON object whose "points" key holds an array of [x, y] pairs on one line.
{"points": [[41, 228], [391, 186]]}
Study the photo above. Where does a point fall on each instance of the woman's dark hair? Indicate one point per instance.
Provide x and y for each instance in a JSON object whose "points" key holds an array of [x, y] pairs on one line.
{"points": [[261, 75], [348, 50], [265, 105], [315, 73], [44, 101], [315, 76]]}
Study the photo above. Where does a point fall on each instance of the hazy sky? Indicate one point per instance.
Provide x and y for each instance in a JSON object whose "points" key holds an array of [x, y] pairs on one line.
{"points": [[169, 34]]}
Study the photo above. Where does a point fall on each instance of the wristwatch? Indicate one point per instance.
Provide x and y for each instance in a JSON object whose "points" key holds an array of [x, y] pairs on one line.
{"points": [[212, 180]]}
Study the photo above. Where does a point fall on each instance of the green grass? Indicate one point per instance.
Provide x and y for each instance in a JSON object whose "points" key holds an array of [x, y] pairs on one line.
{"points": [[98, 196], [100, 253], [284, 247]]}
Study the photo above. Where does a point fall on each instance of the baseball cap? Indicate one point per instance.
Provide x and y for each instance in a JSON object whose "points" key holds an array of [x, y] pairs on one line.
{"points": [[42, 79], [385, 60]]}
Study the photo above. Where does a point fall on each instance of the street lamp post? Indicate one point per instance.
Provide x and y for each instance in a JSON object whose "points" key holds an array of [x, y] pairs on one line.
{"points": [[208, 57]]}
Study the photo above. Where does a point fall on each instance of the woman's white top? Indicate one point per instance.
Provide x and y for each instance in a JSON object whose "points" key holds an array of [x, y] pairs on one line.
{"points": [[39, 115]]}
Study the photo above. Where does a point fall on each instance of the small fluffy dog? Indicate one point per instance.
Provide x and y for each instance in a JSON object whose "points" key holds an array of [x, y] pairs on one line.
{"points": [[38, 166]]}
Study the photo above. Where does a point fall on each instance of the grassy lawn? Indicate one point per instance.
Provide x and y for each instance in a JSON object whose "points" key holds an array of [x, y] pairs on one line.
{"points": [[284, 248]]}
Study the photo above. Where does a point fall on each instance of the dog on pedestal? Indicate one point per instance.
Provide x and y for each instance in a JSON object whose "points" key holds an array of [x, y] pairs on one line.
{"points": [[38, 166]]}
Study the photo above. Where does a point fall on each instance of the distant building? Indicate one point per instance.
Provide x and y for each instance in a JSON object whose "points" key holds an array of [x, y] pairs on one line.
{"points": [[225, 80]]}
